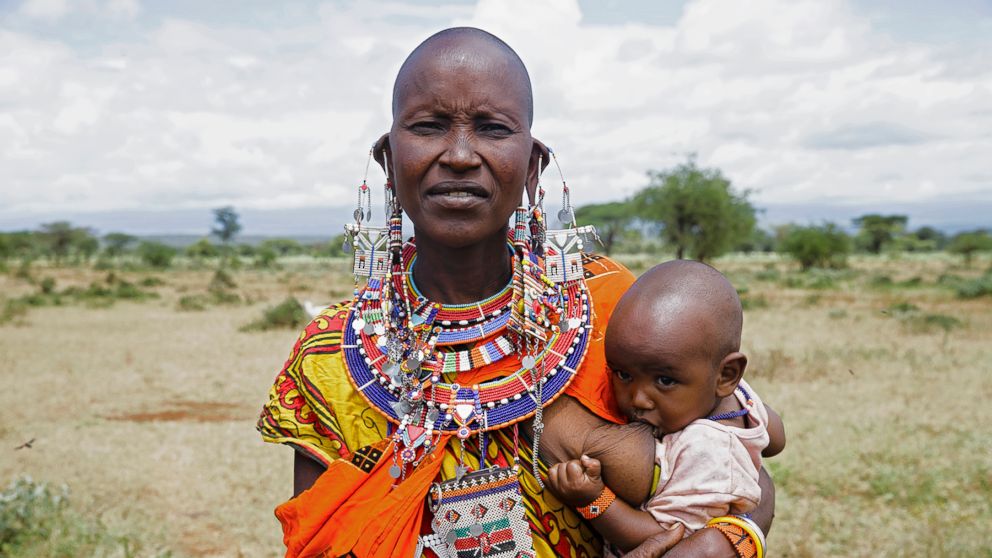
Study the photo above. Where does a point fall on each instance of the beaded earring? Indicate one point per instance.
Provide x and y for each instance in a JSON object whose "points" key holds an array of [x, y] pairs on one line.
{"points": [[368, 243], [566, 215], [536, 211]]}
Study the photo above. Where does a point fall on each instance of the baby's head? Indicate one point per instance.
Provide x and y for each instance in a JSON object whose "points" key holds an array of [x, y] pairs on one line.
{"points": [[673, 344]]}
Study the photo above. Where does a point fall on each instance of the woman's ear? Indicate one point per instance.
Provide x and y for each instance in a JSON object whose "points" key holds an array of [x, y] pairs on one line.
{"points": [[383, 155], [540, 156], [730, 373]]}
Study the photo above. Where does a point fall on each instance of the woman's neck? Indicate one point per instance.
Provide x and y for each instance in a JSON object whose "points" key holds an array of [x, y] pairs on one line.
{"points": [[462, 275]]}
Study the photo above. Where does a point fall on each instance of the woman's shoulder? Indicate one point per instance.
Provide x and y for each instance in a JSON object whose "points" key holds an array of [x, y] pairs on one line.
{"points": [[606, 279]]}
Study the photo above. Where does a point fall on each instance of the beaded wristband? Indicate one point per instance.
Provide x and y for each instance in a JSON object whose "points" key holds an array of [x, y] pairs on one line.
{"points": [[742, 533], [596, 508]]}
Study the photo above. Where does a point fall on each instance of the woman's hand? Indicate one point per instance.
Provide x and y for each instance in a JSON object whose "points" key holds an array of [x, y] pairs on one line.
{"points": [[576, 482]]}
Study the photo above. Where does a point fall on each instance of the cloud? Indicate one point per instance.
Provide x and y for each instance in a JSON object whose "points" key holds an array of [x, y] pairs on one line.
{"points": [[45, 9], [801, 100], [127, 9], [872, 134]]}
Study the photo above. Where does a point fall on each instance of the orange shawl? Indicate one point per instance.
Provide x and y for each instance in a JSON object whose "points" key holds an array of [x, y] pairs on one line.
{"points": [[353, 507]]}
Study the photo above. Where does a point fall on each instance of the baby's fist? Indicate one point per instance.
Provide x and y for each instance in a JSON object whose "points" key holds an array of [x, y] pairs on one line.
{"points": [[576, 482]]}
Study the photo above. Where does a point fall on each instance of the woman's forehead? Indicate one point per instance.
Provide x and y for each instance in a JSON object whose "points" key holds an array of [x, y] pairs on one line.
{"points": [[470, 76]]}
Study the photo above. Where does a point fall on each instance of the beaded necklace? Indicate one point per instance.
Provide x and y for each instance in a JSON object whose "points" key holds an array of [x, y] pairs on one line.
{"points": [[398, 368]]}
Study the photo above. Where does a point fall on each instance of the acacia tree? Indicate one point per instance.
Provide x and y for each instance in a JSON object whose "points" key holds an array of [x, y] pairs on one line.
{"points": [[611, 220], [968, 243], [226, 227], [697, 209], [61, 240], [116, 244], [879, 230]]}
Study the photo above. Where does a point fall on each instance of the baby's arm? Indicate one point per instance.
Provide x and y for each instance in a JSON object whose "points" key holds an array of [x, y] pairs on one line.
{"points": [[578, 482], [776, 434]]}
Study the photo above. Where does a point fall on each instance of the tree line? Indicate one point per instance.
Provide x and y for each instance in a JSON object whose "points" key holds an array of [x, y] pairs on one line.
{"points": [[62, 243], [694, 211], [697, 213]]}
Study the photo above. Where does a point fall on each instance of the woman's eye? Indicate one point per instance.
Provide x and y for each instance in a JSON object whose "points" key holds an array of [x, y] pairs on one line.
{"points": [[494, 129], [665, 381], [427, 127]]}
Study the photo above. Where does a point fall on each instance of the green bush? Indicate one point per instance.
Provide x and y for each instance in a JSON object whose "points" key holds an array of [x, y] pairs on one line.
{"points": [[817, 246], [47, 285], [12, 310], [156, 254], [151, 281], [969, 243], [36, 520], [900, 308], [929, 323], [287, 314], [192, 303], [974, 288]]}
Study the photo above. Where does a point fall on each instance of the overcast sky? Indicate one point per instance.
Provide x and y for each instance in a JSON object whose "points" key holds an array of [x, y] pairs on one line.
{"points": [[162, 109]]}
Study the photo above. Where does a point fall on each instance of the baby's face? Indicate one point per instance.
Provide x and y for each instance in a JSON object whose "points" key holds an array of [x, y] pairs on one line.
{"points": [[663, 371]]}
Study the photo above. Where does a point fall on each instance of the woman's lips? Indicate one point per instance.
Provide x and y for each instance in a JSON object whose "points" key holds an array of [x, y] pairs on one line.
{"points": [[457, 195]]}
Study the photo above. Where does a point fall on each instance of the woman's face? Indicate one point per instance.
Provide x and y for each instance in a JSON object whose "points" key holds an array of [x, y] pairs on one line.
{"points": [[460, 148]]}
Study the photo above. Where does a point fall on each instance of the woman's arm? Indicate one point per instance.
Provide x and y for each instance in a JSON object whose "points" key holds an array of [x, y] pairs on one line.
{"points": [[305, 473], [776, 434], [710, 543]]}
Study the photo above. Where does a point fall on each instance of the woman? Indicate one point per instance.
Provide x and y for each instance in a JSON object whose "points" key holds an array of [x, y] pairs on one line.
{"points": [[399, 389]]}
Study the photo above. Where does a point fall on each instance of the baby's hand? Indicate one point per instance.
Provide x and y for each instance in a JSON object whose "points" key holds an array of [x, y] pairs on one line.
{"points": [[576, 482]]}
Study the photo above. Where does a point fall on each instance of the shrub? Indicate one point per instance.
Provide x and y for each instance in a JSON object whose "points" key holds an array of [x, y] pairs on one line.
{"points": [[974, 288], [929, 323], [12, 310], [968, 243], [192, 303], [156, 254], [47, 285], [36, 520], [287, 314], [899, 308], [151, 282], [817, 246]]}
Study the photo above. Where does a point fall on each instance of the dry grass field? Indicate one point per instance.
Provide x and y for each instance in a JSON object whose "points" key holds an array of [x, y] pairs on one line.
{"points": [[147, 411]]}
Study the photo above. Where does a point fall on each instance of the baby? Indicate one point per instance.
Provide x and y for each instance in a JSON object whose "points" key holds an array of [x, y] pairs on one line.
{"points": [[673, 345]]}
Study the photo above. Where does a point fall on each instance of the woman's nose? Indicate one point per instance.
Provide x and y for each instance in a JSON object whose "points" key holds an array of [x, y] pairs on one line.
{"points": [[461, 155]]}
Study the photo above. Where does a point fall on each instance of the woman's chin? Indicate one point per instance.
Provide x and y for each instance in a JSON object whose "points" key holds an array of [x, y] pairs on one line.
{"points": [[458, 234]]}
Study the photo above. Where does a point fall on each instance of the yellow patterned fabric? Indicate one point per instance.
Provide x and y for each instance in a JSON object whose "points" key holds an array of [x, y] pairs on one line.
{"points": [[314, 407]]}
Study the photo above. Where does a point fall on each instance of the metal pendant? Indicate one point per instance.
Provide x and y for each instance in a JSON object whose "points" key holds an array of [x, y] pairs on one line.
{"points": [[371, 256], [563, 260]]}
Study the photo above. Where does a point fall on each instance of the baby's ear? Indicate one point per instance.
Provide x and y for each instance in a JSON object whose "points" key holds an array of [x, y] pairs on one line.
{"points": [[731, 370]]}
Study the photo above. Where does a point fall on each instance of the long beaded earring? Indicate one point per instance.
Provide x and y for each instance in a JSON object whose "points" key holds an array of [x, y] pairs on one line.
{"points": [[566, 215], [368, 243], [536, 210]]}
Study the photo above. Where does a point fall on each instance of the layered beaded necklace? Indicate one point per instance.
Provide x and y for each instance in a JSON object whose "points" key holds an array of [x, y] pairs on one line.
{"points": [[401, 352]]}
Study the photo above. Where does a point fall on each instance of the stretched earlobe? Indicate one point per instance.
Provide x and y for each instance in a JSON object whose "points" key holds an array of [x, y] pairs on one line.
{"points": [[539, 159], [383, 154]]}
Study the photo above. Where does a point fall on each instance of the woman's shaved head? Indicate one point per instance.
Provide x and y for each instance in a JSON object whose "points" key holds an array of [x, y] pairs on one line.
{"points": [[467, 46]]}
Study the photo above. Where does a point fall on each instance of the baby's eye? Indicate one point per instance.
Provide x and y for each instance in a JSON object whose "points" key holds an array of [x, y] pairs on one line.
{"points": [[665, 381], [623, 376]]}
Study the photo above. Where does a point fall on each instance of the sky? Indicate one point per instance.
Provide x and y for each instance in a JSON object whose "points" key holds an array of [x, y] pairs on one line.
{"points": [[141, 116]]}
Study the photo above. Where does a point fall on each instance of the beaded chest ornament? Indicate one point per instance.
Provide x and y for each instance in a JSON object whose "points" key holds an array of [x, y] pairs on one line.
{"points": [[403, 353]]}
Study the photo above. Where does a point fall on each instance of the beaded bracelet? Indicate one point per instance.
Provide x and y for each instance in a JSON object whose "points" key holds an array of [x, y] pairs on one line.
{"points": [[596, 508], [743, 534]]}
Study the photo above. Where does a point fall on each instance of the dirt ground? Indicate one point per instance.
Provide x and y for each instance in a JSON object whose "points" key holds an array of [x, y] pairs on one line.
{"points": [[147, 412]]}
